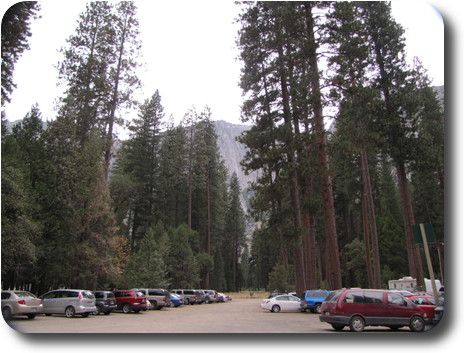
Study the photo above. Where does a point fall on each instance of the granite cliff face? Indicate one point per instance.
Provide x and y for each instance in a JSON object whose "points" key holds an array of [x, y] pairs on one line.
{"points": [[232, 151]]}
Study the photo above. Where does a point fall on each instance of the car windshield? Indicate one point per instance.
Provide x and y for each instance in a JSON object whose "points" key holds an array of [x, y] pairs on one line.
{"points": [[25, 295]]}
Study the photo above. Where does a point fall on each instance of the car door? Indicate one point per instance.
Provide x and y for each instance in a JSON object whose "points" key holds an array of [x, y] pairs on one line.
{"points": [[50, 302], [399, 312], [374, 307], [293, 303], [283, 302]]}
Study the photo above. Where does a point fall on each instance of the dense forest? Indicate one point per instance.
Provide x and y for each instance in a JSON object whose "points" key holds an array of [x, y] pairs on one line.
{"points": [[347, 138]]}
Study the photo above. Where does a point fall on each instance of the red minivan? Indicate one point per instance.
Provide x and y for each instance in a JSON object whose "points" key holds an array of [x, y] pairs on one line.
{"points": [[130, 300], [358, 308]]}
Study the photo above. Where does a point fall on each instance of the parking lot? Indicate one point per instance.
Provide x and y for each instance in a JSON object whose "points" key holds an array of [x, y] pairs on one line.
{"points": [[236, 316]]}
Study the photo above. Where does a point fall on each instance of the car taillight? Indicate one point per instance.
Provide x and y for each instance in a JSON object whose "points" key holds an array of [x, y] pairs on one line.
{"points": [[22, 302], [80, 296]]}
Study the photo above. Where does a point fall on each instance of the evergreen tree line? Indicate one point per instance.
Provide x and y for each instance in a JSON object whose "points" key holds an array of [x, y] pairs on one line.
{"points": [[162, 212], [349, 142]]}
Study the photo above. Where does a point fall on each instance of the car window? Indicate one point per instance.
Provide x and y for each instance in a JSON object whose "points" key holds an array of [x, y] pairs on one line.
{"points": [[6, 295], [110, 295], [317, 294], [49, 295], [24, 294], [282, 298], [88, 295], [354, 297], [294, 299], [333, 297], [395, 299], [99, 295], [373, 297]]}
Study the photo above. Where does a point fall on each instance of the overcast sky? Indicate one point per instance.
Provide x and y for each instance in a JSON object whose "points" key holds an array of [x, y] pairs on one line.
{"points": [[189, 54]]}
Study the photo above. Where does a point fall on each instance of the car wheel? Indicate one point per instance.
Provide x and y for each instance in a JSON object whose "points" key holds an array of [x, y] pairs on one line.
{"points": [[136, 311], [317, 308], [107, 312], [275, 308], [31, 316], [357, 324], [126, 308], [48, 314], [307, 310], [97, 310], [85, 314], [154, 304], [337, 327], [417, 324], [69, 311], [6, 312]]}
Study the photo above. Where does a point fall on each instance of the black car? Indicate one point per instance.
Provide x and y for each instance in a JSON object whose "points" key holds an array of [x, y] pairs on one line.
{"points": [[105, 302]]}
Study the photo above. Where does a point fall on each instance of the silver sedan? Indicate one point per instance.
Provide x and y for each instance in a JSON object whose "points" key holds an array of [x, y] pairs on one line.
{"points": [[17, 302]]}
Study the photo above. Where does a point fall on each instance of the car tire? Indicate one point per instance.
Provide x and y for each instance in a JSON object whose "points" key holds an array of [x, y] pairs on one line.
{"points": [[97, 310], [85, 314], [417, 324], [337, 327], [154, 304], [126, 308], [317, 308], [107, 312], [357, 324], [69, 312], [30, 316], [275, 308], [6, 312]]}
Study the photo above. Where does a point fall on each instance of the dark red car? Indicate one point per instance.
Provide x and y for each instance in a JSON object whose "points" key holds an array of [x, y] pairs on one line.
{"points": [[130, 300], [425, 302], [358, 308]]}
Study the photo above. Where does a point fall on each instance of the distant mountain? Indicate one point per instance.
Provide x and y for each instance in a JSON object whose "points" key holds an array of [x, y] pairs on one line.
{"points": [[440, 93], [231, 150]]}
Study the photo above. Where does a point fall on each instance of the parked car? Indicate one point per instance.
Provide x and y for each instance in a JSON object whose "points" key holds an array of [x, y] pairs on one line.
{"points": [[105, 302], [426, 303], [158, 298], [222, 298], [311, 300], [358, 308], [176, 300], [68, 302], [130, 300], [281, 303], [211, 296], [190, 296], [202, 294], [18, 302]]}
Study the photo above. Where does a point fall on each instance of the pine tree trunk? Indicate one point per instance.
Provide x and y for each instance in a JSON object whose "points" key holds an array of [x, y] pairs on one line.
{"points": [[294, 187], [367, 242], [374, 248], [414, 259], [333, 261]]}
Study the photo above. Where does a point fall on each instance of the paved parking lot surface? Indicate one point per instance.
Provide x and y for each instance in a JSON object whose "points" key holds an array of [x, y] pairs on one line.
{"points": [[236, 316]]}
